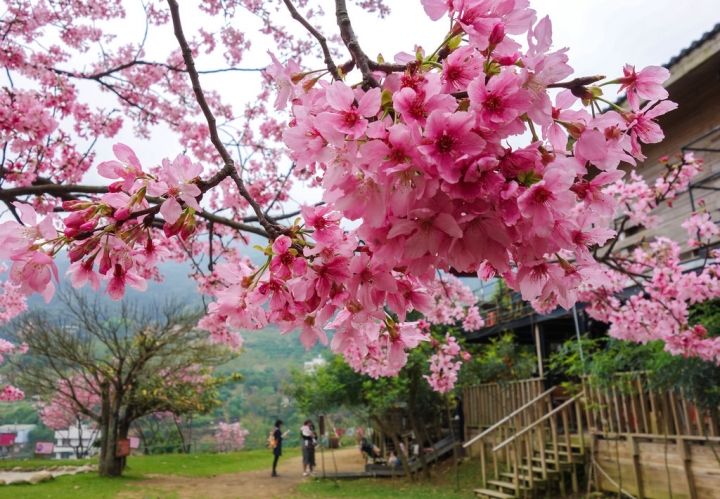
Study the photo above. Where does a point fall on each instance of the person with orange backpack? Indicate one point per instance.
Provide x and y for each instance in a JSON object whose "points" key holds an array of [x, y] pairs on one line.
{"points": [[275, 443]]}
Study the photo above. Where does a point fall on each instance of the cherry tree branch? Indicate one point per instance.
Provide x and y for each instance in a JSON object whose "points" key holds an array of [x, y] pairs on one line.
{"points": [[387, 67], [229, 170], [350, 40], [320, 38]]}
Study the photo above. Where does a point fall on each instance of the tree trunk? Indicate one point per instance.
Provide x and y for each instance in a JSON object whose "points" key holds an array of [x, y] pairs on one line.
{"points": [[396, 443], [109, 464]]}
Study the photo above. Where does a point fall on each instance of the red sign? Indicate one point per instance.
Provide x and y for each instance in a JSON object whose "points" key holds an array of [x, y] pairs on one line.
{"points": [[7, 439], [44, 447], [134, 443], [123, 448]]}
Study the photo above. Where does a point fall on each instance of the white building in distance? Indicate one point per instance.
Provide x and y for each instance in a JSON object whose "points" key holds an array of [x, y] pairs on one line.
{"points": [[312, 366], [67, 442]]}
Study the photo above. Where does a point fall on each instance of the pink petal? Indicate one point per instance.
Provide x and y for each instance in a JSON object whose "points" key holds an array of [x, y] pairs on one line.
{"points": [[27, 213], [126, 155], [171, 210], [339, 96]]}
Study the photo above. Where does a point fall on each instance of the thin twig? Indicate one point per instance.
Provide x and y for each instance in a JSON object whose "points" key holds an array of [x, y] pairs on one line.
{"points": [[320, 38]]}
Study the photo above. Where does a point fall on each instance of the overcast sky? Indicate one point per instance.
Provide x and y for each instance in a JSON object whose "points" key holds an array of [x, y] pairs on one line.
{"points": [[602, 36]]}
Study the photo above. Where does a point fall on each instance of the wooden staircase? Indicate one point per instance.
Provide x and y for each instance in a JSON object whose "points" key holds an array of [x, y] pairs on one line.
{"points": [[532, 449]]}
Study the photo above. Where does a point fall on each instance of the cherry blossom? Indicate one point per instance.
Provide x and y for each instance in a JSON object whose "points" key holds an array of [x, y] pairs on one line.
{"points": [[414, 153]]}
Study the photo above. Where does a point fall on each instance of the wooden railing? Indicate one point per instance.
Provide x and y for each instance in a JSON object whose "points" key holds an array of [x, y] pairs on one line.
{"points": [[631, 406], [488, 403], [531, 434], [528, 442], [507, 418]]}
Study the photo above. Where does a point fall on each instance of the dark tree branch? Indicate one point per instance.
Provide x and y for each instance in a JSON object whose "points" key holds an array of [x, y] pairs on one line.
{"points": [[319, 37], [211, 217], [229, 170], [387, 67], [577, 82], [350, 40]]}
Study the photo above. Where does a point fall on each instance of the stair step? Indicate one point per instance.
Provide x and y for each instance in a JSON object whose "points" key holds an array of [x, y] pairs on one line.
{"points": [[526, 478], [564, 445], [493, 493], [550, 462], [562, 452], [536, 469], [502, 484], [508, 484]]}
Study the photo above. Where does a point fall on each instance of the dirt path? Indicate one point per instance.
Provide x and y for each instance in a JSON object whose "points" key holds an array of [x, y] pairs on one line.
{"points": [[248, 484]]}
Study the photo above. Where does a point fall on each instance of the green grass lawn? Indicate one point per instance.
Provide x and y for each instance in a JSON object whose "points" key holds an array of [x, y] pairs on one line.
{"points": [[91, 486], [441, 486], [204, 464]]}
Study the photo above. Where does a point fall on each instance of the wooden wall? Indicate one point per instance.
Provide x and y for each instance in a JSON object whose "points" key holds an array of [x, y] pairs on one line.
{"points": [[691, 469]]}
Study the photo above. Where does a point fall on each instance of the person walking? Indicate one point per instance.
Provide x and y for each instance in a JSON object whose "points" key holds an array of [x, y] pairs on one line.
{"points": [[309, 439], [278, 436]]}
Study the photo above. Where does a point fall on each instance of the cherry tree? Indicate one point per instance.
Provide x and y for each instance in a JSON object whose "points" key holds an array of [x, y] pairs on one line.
{"points": [[230, 437], [62, 411], [12, 303], [416, 153], [109, 367]]}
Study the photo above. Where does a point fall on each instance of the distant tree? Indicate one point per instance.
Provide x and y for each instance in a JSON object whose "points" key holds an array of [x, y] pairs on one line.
{"points": [[114, 365], [41, 433]]}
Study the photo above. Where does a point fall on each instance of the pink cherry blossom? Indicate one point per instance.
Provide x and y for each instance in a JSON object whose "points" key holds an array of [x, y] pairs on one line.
{"points": [[647, 84]]}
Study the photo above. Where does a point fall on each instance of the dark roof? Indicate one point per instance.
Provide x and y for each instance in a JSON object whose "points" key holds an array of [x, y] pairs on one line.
{"points": [[697, 43]]}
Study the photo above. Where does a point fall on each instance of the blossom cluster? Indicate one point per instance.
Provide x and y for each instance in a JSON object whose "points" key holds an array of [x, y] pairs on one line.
{"points": [[445, 364], [12, 304], [420, 162], [230, 437], [666, 288], [61, 411], [661, 310], [9, 393]]}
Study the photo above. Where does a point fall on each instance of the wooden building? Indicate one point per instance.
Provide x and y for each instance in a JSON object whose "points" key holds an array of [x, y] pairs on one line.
{"points": [[628, 439], [694, 127]]}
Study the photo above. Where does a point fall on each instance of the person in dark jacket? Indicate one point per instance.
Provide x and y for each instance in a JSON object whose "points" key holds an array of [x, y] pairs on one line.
{"points": [[278, 435]]}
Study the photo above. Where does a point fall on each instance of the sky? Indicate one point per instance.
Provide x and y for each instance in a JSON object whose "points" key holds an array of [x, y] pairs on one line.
{"points": [[602, 36]]}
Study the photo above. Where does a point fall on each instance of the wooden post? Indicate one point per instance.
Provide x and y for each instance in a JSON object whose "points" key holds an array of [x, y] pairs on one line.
{"points": [[482, 463], [643, 406], [635, 451], [568, 446], [682, 446], [538, 348]]}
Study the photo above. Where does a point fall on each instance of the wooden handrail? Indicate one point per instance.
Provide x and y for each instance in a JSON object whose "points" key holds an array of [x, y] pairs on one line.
{"points": [[505, 419], [533, 425], [657, 436]]}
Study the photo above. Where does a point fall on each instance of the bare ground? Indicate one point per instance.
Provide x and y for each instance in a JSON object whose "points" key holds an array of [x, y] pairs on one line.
{"points": [[248, 484]]}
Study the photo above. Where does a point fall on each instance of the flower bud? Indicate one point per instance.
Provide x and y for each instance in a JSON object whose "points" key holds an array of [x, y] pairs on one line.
{"points": [[89, 225], [188, 229], [75, 205], [105, 263], [71, 232], [122, 213], [497, 34], [174, 229], [116, 186]]}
